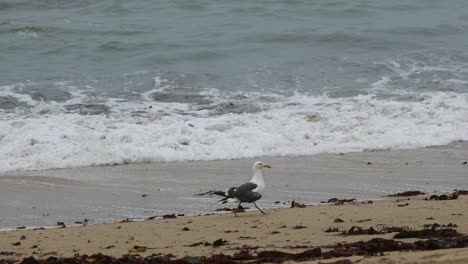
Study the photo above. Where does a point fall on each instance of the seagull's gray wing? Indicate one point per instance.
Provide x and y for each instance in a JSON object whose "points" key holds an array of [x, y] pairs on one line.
{"points": [[244, 193]]}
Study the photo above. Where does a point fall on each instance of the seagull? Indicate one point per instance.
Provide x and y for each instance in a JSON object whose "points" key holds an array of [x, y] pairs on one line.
{"points": [[249, 192]]}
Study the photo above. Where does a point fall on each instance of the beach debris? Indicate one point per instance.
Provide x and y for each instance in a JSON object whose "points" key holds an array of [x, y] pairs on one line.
{"points": [[337, 201], [126, 220], [369, 163], [243, 254], [465, 162], [338, 220], [295, 204], [16, 244], [436, 225], [401, 200], [345, 201], [444, 197], [23, 237], [406, 194], [394, 229], [137, 249], [356, 230], [248, 247], [246, 237], [332, 230], [166, 216], [363, 220], [372, 247], [185, 229], [438, 197], [240, 209], [430, 218], [278, 256], [461, 192], [204, 243], [219, 242], [169, 216], [84, 222], [299, 227], [231, 231], [21, 227], [331, 200], [296, 246], [144, 195], [341, 261], [61, 224], [7, 253], [109, 247], [275, 232], [226, 209], [402, 205], [30, 260], [429, 233], [216, 243]]}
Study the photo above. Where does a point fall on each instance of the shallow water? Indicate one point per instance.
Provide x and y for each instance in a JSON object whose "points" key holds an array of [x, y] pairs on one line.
{"points": [[113, 82]]}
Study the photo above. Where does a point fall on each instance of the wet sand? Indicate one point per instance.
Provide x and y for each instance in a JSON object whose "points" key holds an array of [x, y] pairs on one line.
{"points": [[111, 193]]}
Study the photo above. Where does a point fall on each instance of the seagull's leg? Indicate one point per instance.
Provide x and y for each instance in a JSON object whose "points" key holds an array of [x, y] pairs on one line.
{"points": [[258, 208], [235, 209]]}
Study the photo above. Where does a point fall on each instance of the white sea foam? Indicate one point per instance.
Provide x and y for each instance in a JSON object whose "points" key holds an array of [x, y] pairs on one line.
{"points": [[50, 137]]}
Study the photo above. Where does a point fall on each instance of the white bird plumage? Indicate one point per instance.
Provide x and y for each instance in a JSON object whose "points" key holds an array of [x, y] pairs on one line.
{"points": [[249, 192]]}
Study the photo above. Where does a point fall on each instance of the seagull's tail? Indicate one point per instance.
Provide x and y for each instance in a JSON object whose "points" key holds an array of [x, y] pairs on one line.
{"points": [[224, 194], [211, 192], [224, 200], [220, 193]]}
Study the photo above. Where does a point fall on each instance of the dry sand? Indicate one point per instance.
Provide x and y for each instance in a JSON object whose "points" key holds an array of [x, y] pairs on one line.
{"points": [[274, 231]]}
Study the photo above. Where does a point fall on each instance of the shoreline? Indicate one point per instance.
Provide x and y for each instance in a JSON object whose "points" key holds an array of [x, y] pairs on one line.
{"points": [[291, 230], [112, 193], [458, 144]]}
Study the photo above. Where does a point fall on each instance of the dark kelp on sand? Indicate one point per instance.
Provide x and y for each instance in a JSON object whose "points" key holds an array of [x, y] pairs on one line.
{"points": [[372, 247]]}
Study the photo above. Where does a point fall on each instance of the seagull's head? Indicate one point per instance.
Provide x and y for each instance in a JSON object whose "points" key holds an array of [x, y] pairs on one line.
{"points": [[260, 165]]}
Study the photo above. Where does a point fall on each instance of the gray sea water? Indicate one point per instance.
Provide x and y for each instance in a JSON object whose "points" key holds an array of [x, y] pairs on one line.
{"points": [[88, 83], [127, 74]]}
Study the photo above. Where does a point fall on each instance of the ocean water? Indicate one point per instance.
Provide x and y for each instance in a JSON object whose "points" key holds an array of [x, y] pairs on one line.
{"points": [[86, 83]]}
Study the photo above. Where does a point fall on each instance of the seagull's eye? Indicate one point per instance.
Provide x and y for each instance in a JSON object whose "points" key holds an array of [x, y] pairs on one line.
{"points": [[260, 164]]}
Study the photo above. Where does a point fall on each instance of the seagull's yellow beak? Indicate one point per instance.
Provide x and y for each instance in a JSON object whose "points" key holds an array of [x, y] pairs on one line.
{"points": [[267, 166]]}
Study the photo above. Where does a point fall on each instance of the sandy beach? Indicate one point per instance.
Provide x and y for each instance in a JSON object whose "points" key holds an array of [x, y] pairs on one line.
{"points": [[368, 176], [288, 230]]}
